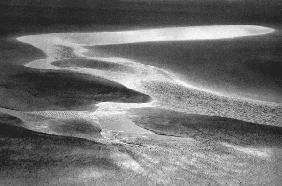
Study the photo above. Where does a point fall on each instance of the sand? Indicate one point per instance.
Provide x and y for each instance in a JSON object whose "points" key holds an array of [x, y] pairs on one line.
{"points": [[112, 140]]}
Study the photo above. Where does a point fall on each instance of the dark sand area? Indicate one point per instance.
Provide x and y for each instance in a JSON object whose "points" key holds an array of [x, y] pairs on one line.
{"points": [[207, 128], [32, 158], [29, 89], [115, 12], [22, 17], [245, 67], [35, 90], [75, 127], [95, 64]]}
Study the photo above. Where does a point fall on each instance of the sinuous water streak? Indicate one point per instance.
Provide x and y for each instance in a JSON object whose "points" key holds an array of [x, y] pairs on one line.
{"points": [[164, 87]]}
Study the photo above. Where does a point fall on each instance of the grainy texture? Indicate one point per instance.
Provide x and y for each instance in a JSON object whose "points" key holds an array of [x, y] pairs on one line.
{"points": [[90, 94]]}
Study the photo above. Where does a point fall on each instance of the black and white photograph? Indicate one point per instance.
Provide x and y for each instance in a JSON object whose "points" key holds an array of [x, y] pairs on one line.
{"points": [[140, 92]]}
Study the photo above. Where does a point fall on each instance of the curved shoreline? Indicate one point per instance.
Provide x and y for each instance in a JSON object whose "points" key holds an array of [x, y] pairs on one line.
{"points": [[78, 41], [145, 74]]}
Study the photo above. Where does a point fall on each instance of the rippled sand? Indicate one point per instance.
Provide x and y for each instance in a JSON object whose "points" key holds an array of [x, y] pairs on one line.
{"points": [[173, 134], [162, 86]]}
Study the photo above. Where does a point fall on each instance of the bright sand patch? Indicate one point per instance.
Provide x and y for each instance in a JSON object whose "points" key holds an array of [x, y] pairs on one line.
{"points": [[142, 74], [167, 34]]}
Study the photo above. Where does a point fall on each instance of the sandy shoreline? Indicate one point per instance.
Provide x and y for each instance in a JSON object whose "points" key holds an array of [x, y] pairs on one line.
{"points": [[58, 156], [142, 77], [113, 92]]}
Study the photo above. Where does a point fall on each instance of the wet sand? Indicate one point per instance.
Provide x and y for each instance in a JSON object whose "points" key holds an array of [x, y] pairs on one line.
{"points": [[241, 67], [108, 142], [182, 134], [161, 85], [30, 158]]}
